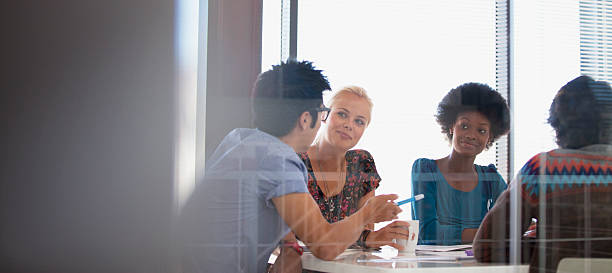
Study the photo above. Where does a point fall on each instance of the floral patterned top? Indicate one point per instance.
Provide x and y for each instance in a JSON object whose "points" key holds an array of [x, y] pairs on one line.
{"points": [[361, 178]]}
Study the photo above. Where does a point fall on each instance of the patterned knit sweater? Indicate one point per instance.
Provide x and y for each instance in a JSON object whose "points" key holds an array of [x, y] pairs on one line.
{"points": [[569, 193]]}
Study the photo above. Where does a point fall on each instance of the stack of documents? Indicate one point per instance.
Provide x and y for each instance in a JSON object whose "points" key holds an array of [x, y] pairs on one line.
{"points": [[457, 251], [425, 253], [433, 248]]}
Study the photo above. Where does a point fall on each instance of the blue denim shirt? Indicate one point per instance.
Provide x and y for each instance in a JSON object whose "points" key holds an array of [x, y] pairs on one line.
{"points": [[230, 223]]}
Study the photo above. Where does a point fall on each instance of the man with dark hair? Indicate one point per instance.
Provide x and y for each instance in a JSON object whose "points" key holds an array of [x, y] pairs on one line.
{"points": [[567, 190], [254, 190], [281, 94]]}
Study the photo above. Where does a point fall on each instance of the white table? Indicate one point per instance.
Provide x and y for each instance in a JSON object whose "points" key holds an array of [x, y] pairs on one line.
{"points": [[358, 261]]}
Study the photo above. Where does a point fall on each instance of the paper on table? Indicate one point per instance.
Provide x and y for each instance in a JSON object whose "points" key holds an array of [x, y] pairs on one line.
{"points": [[414, 259], [454, 253], [442, 248]]}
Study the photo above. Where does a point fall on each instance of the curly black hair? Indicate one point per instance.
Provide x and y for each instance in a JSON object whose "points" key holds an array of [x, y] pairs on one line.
{"points": [[474, 97], [576, 115]]}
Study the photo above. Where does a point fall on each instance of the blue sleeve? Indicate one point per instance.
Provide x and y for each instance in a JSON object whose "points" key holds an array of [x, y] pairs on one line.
{"points": [[425, 209], [280, 175], [498, 185]]}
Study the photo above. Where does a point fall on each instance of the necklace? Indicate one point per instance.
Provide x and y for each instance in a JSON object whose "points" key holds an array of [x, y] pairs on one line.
{"points": [[329, 200]]}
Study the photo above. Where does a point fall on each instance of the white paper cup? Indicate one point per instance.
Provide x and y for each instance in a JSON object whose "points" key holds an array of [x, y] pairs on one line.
{"points": [[410, 244]]}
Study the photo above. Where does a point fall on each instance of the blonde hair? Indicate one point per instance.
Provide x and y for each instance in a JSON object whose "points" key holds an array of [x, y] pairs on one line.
{"points": [[355, 90]]}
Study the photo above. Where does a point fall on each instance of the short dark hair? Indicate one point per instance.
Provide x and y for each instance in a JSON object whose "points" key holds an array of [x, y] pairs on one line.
{"points": [[576, 115], [474, 97], [281, 94]]}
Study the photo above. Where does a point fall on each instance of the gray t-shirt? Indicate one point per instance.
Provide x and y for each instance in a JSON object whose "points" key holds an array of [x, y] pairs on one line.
{"points": [[230, 224]]}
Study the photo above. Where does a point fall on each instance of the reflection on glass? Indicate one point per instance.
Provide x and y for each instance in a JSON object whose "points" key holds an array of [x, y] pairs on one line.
{"points": [[567, 190]]}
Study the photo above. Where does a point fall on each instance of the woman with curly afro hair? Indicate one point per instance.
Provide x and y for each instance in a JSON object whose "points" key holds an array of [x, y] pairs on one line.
{"points": [[457, 192]]}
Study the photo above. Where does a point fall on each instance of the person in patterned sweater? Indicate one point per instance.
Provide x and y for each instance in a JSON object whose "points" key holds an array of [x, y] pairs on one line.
{"points": [[568, 191]]}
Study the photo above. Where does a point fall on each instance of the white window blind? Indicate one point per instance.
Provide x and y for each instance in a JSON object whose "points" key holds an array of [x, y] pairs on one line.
{"points": [[596, 39], [503, 151]]}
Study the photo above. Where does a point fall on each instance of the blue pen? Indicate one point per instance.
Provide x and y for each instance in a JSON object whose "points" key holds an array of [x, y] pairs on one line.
{"points": [[411, 199]]}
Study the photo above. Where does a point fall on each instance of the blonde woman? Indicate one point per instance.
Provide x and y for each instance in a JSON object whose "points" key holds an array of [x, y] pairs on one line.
{"points": [[341, 180]]}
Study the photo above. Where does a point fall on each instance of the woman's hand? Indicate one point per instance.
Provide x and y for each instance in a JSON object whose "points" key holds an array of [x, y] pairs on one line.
{"points": [[385, 235], [381, 208]]}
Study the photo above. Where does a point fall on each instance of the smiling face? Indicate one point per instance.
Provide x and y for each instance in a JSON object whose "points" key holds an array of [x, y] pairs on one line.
{"points": [[471, 133], [347, 121]]}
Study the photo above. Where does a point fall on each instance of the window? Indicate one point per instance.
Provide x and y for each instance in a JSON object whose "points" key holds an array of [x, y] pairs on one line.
{"points": [[408, 55], [595, 43]]}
